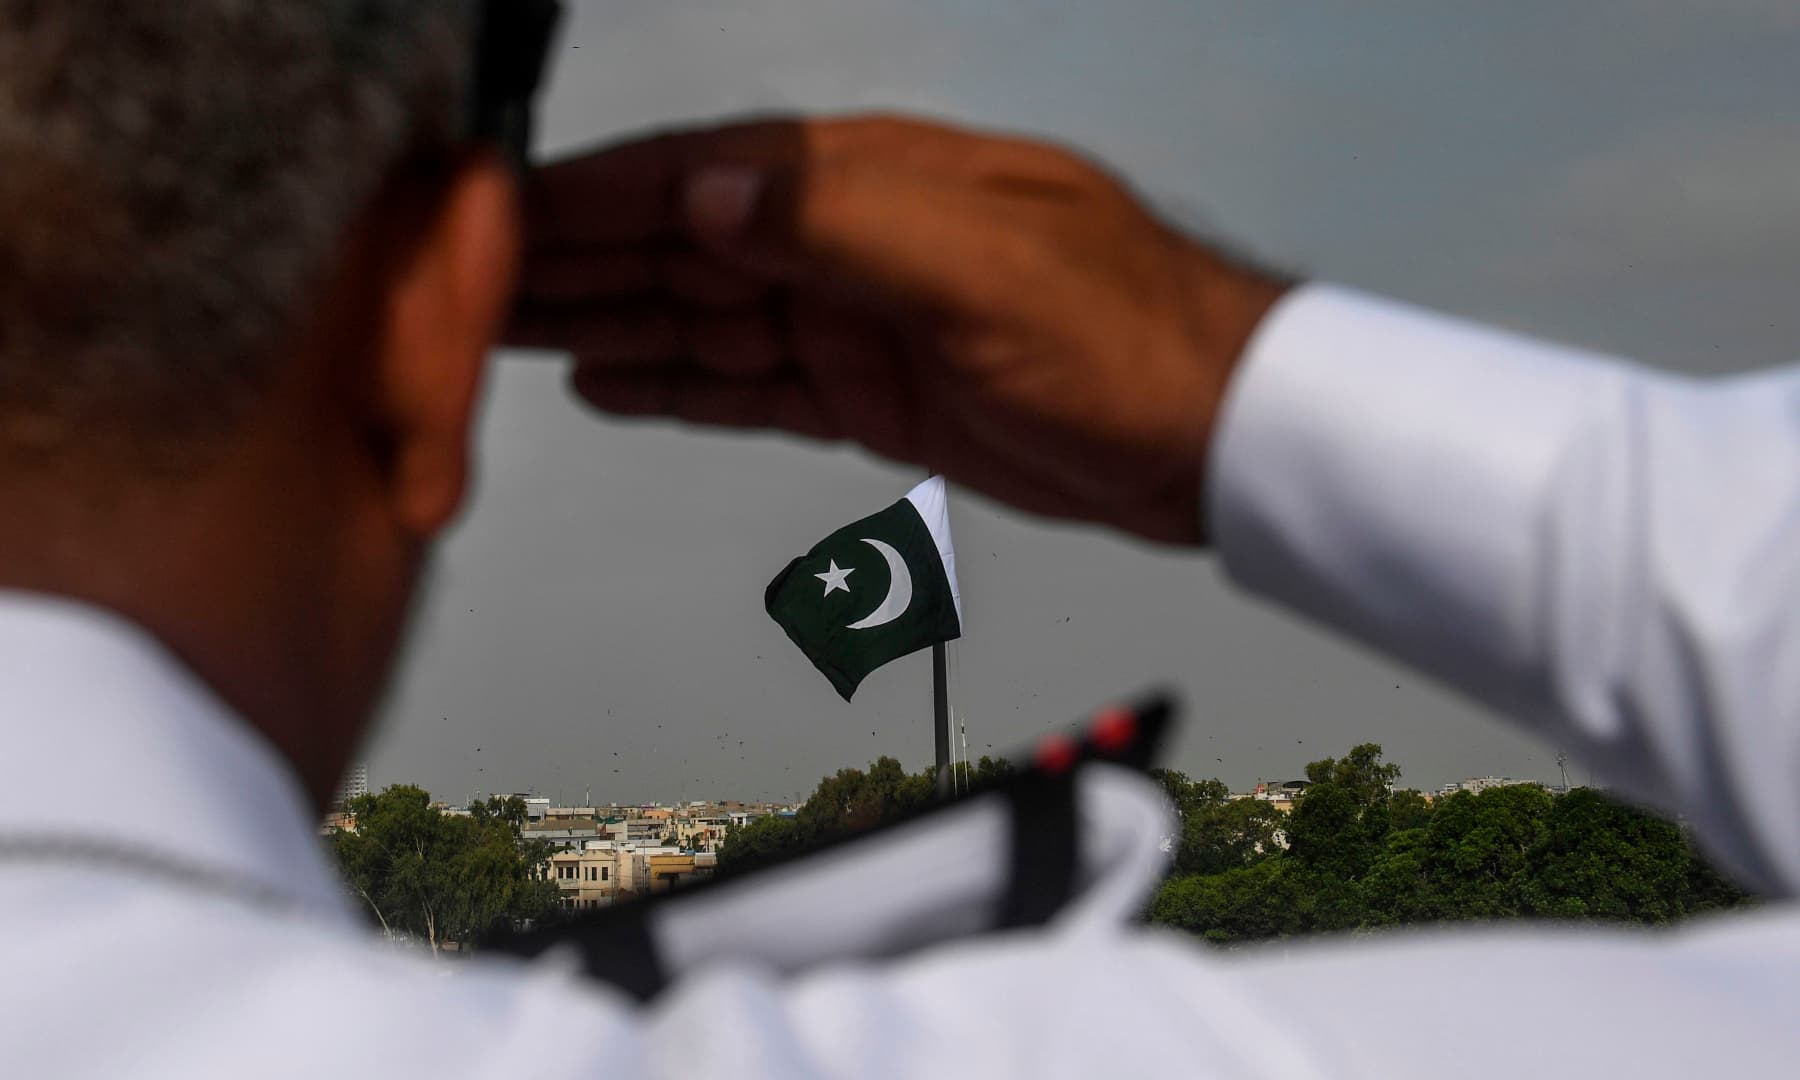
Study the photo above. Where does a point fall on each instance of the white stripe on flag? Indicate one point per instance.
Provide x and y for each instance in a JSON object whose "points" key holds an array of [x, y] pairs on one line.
{"points": [[930, 501]]}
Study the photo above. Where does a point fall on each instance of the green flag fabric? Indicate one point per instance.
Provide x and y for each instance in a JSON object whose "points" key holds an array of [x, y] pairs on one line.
{"points": [[873, 591]]}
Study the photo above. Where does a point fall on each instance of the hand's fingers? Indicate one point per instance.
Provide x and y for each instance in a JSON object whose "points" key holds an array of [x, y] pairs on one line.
{"points": [[739, 344], [784, 404], [556, 278], [632, 191], [860, 376], [868, 234], [684, 274], [639, 336]]}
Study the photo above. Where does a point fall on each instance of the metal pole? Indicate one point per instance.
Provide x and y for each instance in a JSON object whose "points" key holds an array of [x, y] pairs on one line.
{"points": [[940, 702], [940, 714]]}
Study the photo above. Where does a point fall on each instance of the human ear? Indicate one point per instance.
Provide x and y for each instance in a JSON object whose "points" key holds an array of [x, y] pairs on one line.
{"points": [[443, 310]]}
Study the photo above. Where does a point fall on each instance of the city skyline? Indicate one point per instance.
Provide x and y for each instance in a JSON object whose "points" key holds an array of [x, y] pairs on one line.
{"points": [[558, 800]]}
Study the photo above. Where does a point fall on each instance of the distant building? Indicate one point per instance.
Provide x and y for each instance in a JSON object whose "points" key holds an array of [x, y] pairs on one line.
{"points": [[1475, 785], [565, 813], [355, 784], [564, 834], [636, 830], [594, 875], [602, 872], [667, 869], [1280, 793]]}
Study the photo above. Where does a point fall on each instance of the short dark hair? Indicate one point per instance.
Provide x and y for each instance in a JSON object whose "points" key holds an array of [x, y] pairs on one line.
{"points": [[176, 178]]}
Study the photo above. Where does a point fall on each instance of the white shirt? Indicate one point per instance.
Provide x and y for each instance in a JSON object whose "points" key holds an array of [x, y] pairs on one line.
{"points": [[1608, 554]]}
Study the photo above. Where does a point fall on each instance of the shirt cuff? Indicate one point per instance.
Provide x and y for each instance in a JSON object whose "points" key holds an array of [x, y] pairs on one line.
{"points": [[1385, 470]]}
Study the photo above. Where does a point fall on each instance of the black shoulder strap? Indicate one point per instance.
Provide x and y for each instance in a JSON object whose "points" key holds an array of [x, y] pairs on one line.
{"points": [[1046, 848]]}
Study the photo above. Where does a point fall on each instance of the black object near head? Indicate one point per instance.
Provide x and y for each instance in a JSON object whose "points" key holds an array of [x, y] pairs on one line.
{"points": [[512, 44]]}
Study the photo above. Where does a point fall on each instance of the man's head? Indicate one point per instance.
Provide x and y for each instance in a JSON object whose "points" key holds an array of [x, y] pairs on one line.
{"points": [[248, 275]]}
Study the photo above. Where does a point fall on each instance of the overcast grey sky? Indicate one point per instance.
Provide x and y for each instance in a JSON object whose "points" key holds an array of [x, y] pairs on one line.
{"points": [[1623, 175]]}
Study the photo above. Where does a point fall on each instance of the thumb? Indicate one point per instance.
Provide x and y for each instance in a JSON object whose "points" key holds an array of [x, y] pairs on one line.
{"points": [[856, 228]]}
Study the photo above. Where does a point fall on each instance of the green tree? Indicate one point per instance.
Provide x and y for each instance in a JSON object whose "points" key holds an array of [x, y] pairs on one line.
{"points": [[1361, 773], [848, 801], [440, 878], [1327, 835], [1231, 834], [1339, 822], [1408, 809], [1355, 854], [1361, 856], [986, 772], [1599, 858], [1189, 795], [1477, 851], [509, 811], [1217, 832], [1710, 890], [757, 842], [1244, 904], [1391, 892], [853, 800]]}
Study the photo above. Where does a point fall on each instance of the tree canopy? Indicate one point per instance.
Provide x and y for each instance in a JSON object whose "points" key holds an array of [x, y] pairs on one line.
{"points": [[1355, 853], [847, 801], [1218, 833], [442, 878], [1361, 856]]}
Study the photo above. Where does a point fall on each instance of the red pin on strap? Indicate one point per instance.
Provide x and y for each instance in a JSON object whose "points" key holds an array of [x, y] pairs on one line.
{"points": [[1055, 755], [1113, 730]]}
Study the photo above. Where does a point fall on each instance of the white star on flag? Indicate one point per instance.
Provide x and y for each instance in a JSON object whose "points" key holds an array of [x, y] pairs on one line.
{"points": [[834, 578]]}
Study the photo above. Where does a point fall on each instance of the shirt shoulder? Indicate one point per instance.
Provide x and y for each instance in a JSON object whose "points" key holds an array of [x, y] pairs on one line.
{"points": [[136, 981]]}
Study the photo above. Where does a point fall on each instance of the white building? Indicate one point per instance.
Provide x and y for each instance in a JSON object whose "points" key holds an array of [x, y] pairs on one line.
{"points": [[1475, 785], [356, 783]]}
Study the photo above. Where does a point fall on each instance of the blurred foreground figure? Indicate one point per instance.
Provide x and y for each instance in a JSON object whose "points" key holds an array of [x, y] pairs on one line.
{"points": [[248, 276]]}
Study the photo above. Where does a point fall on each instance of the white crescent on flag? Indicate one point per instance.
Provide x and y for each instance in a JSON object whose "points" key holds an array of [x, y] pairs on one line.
{"points": [[900, 589]]}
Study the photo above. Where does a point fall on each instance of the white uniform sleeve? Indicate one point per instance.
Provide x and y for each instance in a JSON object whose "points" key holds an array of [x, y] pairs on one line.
{"points": [[1608, 554]]}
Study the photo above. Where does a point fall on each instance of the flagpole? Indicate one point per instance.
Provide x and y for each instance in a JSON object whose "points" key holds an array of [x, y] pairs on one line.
{"points": [[940, 700], [940, 704]]}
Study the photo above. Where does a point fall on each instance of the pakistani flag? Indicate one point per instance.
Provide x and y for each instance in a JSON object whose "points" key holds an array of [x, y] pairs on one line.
{"points": [[873, 591]]}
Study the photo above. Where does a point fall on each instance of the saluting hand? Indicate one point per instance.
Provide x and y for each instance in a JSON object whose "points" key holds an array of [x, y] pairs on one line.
{"points": [[997, 309]]}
